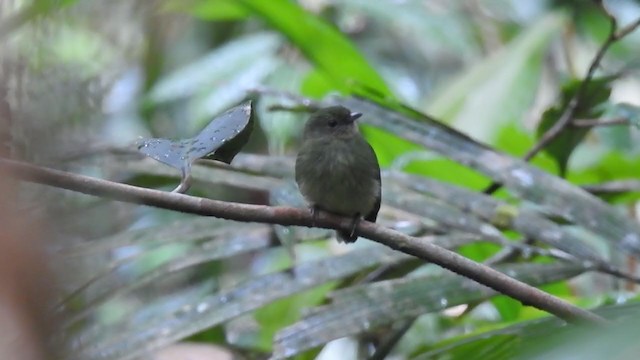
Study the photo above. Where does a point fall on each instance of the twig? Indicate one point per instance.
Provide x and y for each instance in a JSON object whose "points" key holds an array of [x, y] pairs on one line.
{"points": [[390, 342], [291, 216], [569, 113], [614, 187], [590, 123]]}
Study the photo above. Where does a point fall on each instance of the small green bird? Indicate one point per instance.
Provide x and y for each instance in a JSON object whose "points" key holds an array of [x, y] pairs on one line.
{"points": [[337, 170]]}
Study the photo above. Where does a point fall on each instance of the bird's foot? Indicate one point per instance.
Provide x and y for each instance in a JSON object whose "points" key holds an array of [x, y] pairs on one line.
{"points": [[315, 212], [354, 225]]}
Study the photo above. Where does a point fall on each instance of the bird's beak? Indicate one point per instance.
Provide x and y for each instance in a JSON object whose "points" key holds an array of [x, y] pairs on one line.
{"points": [[355, 116]]}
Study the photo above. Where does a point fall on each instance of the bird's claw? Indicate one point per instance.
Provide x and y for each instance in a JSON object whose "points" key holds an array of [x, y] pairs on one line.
{"points": [[315, 211], [354, 225]]}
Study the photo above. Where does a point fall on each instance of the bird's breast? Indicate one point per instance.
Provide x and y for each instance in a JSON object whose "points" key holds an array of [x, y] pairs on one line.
{"points": [[338, 179]]}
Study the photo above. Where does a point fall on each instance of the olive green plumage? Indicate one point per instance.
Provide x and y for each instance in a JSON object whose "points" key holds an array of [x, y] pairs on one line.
{"points": [[336, 169]]}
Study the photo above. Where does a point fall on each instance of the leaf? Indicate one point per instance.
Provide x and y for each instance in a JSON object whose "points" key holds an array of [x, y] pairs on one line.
{"points": [[215, 68], [320, 42], [31, 12], [365, 308], [109, 284], [554, 194], [499, 89], [595, 94], [127, 340], [527, 222], [548, 338], [208, 9], [221, 140]]}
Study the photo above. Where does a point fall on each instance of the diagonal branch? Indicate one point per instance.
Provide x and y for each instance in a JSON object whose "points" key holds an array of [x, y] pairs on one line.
{"points": [[291, 216]]}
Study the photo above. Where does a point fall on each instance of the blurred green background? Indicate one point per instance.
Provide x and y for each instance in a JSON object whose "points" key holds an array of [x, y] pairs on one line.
{"points": [[84, 79]]}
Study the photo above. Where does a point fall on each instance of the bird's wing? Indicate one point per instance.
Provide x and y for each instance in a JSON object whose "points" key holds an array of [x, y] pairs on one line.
{"points": [[373, 214]]}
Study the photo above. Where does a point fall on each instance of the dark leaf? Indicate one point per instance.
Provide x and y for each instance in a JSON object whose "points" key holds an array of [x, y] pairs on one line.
{"points": [[596, 93], [221, 140], [364, 308], [549, 336]]}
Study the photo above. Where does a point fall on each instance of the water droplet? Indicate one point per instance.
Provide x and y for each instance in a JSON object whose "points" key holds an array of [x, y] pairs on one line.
{"points": [[444, 302], [366, 325], [202, 307], [223, 299], [184, 310], [522, 176]]}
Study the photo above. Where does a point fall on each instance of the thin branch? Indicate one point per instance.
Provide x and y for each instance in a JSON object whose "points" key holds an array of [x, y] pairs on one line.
{"points": [[568, 114], [591, 123], [614, 187], [291, 216]]}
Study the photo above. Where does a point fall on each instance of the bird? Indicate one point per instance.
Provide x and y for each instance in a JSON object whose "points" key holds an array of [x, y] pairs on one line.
{"points": [[336, 169]]}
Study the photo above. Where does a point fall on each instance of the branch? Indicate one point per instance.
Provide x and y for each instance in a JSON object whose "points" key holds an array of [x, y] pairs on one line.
{"points": [[614, 187], [591, 123], [301, 217], [568, 114]]}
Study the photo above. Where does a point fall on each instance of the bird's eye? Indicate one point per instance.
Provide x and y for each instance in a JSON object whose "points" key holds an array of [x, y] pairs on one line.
{"points": [[333, 123]]}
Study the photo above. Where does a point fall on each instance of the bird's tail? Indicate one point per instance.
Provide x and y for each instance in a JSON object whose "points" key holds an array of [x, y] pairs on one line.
{"points": [[346, 237]]}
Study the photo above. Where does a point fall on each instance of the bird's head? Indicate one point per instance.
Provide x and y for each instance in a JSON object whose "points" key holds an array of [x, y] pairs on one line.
{"points": [[334, 121]]}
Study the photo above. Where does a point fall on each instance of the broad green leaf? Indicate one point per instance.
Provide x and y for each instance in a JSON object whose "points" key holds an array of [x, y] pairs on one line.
{"points": [[367, 307], [109, 284], [499, 89], [208, 9], [595, 94], [612, 166], [547, 338], [284, 312], [323, 45], [501, 214], [128, 339], [555, 195], [213, 69], [516, 142]]}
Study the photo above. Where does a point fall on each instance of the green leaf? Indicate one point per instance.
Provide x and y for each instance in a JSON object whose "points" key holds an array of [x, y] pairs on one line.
{"points": [[211, 68], [556, 195], [508, 308], [208, 9], [515, 141], [499, 89], [367, 307], [284, 312], [164, 321], [328, 49], [595, 94], [548, 338]]}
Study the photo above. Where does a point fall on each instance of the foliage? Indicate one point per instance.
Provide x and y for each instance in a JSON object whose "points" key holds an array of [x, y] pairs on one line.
{"points": [[488, 71]]}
